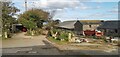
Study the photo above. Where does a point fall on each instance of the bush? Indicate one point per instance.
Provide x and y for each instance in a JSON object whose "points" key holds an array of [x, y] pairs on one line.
{"points": [[63, 35], [56, 30]]}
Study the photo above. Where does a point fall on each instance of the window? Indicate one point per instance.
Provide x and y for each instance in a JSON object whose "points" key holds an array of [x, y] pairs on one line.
{"points": [[90, 26], [116, 31]]}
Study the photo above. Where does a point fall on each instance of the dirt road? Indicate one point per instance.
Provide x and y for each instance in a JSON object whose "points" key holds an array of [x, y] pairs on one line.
{"points": [[20, 40]]}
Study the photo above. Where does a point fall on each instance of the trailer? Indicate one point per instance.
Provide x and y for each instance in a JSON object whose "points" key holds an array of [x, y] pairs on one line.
{"points": [[93, 33]]}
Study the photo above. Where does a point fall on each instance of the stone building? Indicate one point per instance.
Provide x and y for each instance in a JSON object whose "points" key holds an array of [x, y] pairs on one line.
{"points": [[79, 26], [110, 28], [90, 24]]}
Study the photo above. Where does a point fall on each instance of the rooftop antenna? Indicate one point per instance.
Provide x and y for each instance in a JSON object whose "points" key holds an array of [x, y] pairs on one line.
{"points": [[25, 5]]}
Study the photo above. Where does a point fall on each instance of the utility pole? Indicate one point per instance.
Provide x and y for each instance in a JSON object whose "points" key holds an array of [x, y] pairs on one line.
{"points": [[25, 5]]}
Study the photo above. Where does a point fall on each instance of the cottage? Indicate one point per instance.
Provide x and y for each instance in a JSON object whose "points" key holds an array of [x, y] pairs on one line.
{"points": [[110, 28], [78, 26]]}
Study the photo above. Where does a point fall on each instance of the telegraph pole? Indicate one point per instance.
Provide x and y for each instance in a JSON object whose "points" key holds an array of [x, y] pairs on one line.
{"points": [[25, 5]]}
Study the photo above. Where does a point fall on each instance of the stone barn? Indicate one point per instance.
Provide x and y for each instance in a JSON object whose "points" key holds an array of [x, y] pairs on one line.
{"points": [[110, 28], [79, 26], [90, 24], [75, 26]]}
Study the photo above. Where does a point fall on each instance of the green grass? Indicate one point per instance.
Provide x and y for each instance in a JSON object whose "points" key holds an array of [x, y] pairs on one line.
{"points": [[57, 41]]}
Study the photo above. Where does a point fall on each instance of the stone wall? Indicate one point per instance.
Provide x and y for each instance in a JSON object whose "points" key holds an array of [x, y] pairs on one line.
{"points": [[90, 27]]}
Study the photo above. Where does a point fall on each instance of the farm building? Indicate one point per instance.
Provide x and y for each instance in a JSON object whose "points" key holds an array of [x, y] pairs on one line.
{"points": [[110, 28], [70, 25], [79, 26], [90, 24]]}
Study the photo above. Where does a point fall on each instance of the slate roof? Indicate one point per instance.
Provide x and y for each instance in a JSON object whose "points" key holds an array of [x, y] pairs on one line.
{"points": [[110, 25]]}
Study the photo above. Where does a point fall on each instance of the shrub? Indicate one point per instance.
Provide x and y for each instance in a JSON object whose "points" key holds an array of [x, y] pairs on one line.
{"points": [[63, 35], [54, 30]]}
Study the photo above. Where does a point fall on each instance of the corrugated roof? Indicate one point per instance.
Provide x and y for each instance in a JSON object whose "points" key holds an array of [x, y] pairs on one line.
{"points": [[110, 25], [67, 24]]}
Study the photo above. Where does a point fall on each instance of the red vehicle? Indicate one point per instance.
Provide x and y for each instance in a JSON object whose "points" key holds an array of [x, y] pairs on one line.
{"points": [[92, 33], [99, 34], [24, 29], [89, 32]]}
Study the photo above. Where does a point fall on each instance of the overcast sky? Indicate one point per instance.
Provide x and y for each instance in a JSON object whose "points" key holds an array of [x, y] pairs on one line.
{"points": [[75, 9]]}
